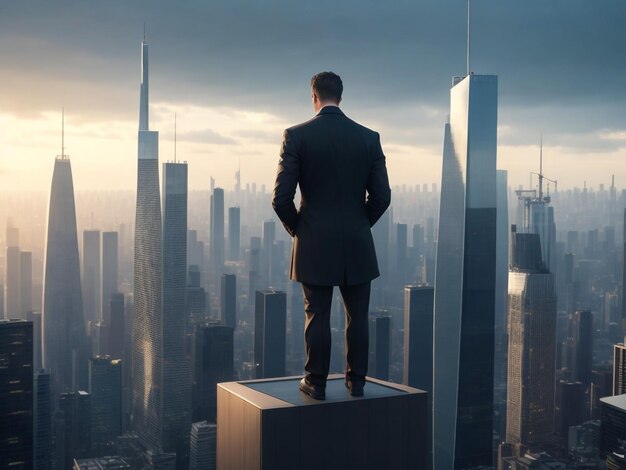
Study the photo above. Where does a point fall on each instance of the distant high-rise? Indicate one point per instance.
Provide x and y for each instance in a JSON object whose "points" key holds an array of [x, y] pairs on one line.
{"points": [[270, 325], [624, 278], [196, 297], [109, 271], [176, 371], [234, 233], [583, 340], [147, 326], [569, 408], [64, 339], [380, 345], [42, 414], [91, 275], [217, 232], [213, 363], [465, 278], [612, 426], [16, 394], [105, 386], [116, 326], [532, 345], [228, 300], [75, 410], [269, 235], [26, 284], [202, 450], [619, 369], [401, 254], [418, 337], [13, 309]]}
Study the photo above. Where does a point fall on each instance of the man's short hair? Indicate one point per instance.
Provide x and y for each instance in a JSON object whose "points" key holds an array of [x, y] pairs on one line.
{"points": [[327, 86]]}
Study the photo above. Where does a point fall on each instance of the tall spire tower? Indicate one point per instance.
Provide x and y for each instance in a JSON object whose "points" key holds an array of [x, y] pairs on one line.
{"points": [[465, 278], [64, 338], [147, 417]]}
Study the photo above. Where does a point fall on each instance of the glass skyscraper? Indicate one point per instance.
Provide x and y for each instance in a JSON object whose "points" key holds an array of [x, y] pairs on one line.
{"points": [[465, 279], [147, 285], [176, 373], [64, 334], [532, 345]]}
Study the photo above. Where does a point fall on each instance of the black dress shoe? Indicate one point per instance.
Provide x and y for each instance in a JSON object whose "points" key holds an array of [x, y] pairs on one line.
{"points": [[314, 391], [356, 388]]}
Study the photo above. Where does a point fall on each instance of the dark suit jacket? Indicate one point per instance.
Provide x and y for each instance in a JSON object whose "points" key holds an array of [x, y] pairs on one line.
{"points": [[335, 161]]}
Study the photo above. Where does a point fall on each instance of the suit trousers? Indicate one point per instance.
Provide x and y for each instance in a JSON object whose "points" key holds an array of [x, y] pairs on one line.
{"points": [[317, 336]]}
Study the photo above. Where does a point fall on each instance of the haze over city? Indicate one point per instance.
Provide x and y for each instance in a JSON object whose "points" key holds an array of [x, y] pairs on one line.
{"points": [[171, 238], [236, 74]]}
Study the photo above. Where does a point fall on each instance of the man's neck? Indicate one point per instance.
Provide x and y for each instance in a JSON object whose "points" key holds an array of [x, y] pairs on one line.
{"points": [[324, 105]]}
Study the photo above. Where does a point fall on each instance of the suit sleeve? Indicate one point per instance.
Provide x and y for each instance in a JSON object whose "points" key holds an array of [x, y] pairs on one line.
{"points": [[285, 186], [378, 190]]}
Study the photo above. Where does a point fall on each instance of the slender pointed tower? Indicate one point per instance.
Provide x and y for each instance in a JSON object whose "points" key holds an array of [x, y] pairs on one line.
{"points": [[64, 334], [464, 309], [147, 281]]}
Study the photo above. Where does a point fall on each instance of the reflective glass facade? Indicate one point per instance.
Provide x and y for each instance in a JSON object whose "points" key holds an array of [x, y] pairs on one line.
{"points": [[147, 282], [465, 279], [64, 333]]}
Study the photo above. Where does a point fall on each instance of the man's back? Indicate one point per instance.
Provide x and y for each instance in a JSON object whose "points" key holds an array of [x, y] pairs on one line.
{"points": [[340, 167], [336, 161]]}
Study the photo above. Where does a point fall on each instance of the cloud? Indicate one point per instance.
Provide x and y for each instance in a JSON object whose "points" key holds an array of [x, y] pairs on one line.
{"points": [[204, 136]]}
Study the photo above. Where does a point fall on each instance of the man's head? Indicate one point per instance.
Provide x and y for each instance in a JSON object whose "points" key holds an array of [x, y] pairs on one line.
{"points": [[326, 88]]}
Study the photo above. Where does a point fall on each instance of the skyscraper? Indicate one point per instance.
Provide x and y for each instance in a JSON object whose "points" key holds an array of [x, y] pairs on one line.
{"points": [[228, 300], [418, 337], [380, 345], [42, 414], [234, 233], [13, 310], [465, 278], [269, 235], [270, 324], [217, 232], [202, 452], [16, 394], [401, 254], [116, 326], [583, 340], [532, 345], [91, 275], [213, 363], [109, 271], [619, 369], [64, 339], [176, 372], [147, 284], [26, 284], [75, 410], [105, 387]]}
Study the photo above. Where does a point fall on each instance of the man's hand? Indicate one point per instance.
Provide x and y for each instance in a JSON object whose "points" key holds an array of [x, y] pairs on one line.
{"points": [[285, 186]]}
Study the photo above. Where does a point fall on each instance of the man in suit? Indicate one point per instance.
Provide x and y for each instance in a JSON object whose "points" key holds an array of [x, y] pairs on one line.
{"points": [[336, 162]]}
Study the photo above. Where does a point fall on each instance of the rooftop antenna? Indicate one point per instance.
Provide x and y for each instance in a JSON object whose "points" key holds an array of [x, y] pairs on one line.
{"points": [[469, 8], [541, 166], [62, 156], [174, 137]]}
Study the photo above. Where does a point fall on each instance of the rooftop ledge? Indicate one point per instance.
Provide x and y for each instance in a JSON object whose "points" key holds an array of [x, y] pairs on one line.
{"points": [[271, 424]]}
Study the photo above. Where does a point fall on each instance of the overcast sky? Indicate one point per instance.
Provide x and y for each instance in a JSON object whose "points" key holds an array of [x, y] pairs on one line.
{"points": [[236, 73]]}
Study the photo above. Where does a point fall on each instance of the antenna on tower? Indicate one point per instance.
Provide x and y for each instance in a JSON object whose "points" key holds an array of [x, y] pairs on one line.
{"points": [[144, 31], [62, 156], [174, 137], [541, 166], [469, 9]]}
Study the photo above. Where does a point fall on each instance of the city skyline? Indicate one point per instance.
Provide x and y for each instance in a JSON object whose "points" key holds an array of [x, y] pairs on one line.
{"points": [[232, 107]]}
